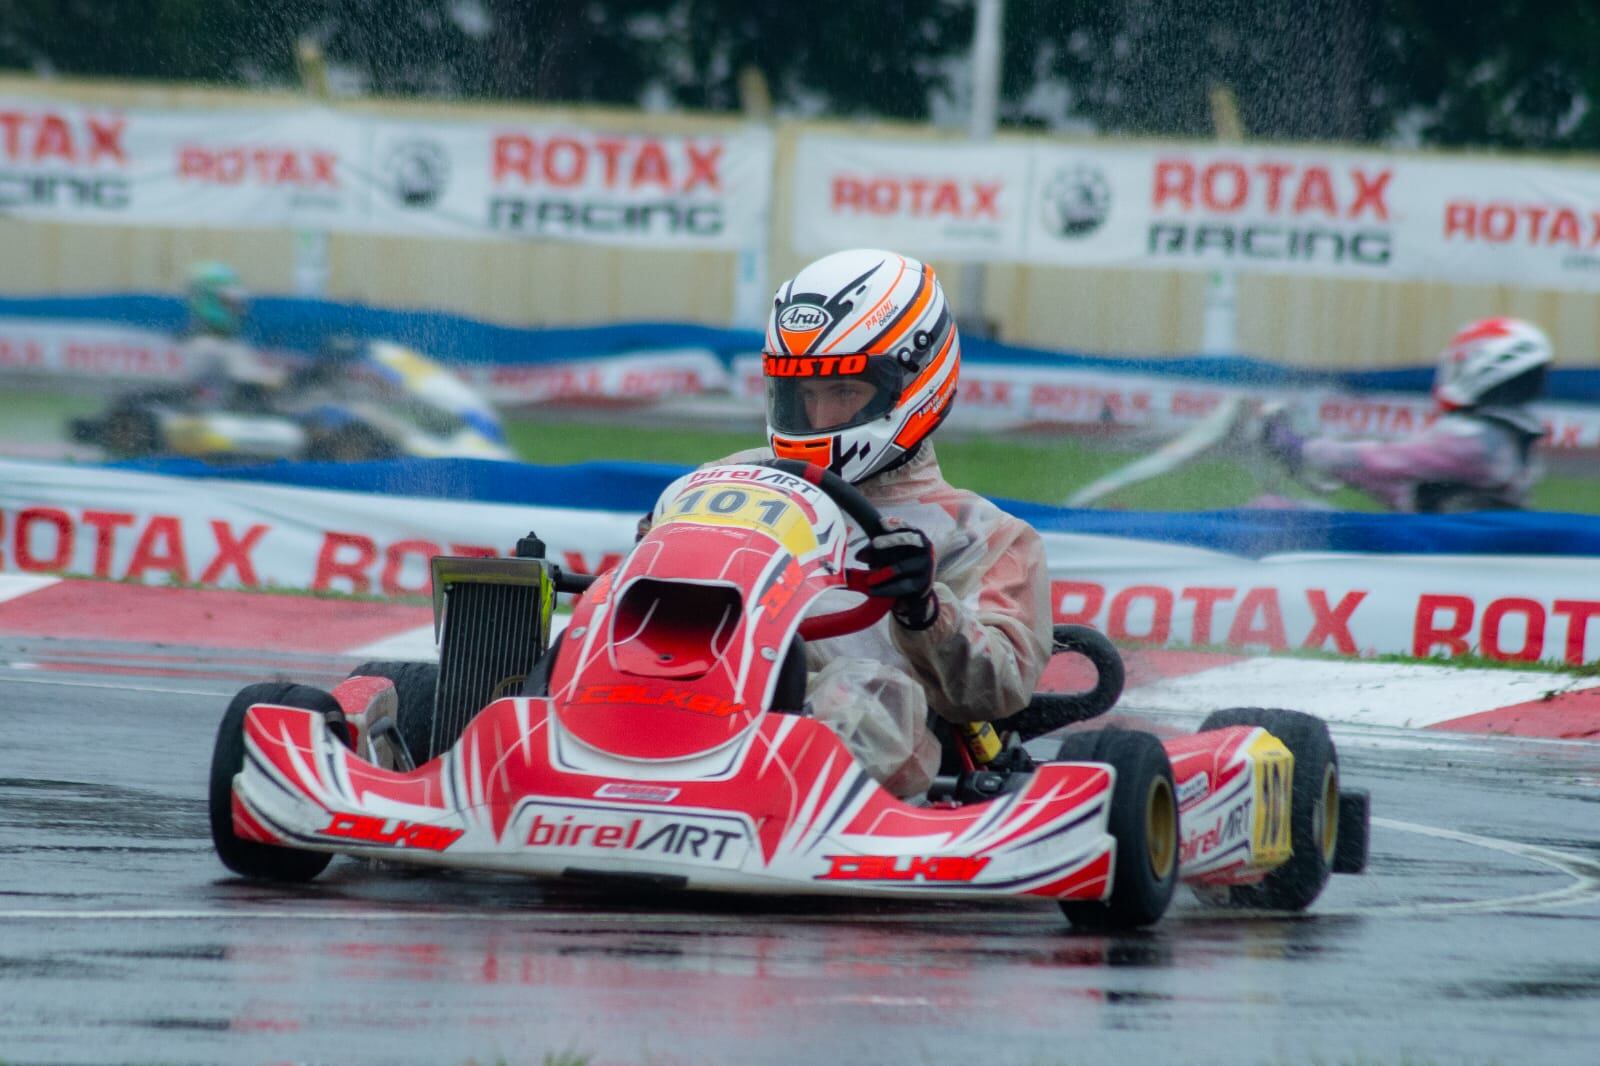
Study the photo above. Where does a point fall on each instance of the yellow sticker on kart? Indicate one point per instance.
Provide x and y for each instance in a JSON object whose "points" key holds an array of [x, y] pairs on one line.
{"points": [[747, 507], [1274, 773]]}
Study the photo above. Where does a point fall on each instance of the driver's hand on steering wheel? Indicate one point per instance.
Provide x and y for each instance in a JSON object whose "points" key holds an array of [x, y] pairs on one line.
{"points": [[900, 567]]}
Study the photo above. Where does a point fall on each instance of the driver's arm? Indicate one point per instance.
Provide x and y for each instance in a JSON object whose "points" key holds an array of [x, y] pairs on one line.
{"points": [[981, 658]]}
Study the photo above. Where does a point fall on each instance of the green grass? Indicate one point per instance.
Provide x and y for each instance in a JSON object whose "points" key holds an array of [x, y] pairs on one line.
{"points": [[1046, 471]]}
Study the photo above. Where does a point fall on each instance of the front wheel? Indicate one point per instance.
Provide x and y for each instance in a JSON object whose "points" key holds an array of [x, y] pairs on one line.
{"points": [[248, 858], [1313, 813], [1144, 823], [415, 685]]}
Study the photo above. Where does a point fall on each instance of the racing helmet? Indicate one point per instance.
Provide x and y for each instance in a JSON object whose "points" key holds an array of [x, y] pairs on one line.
{"points": [[217, 301], [860, 359], [1490, 361]]}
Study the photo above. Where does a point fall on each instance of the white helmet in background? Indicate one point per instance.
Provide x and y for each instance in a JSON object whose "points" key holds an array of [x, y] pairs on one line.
{"points": [[861, 359], [1493, 360]]}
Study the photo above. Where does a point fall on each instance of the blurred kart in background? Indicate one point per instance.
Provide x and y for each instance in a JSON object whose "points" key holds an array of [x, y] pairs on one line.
{"points": [[383, 401], [1233, 429]]}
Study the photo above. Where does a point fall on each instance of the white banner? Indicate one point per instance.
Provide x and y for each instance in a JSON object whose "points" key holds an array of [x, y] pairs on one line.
{"points": [[1275, 210], [142, 527], [318, 169]]}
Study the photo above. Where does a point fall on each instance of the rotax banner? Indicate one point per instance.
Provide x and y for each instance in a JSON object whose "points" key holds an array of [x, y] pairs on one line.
{"points": [[1200, 207], [152, 528], [318, 168]]}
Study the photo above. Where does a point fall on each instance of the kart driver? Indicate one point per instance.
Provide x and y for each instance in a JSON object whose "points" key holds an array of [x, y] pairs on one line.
{"points": [[860, 359], [1477, 455], [224, 370]]}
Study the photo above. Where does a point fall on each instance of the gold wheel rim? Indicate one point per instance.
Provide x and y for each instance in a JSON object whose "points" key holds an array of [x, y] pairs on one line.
{"points": [[1161, 828], [1329, 829]]}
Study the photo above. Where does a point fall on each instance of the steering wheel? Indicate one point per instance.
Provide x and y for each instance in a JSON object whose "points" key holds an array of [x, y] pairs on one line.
{"points": [[860, 510]]}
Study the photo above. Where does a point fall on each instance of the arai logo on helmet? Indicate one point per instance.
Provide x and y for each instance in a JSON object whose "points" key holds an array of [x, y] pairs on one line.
{"points": [[803, 318]]}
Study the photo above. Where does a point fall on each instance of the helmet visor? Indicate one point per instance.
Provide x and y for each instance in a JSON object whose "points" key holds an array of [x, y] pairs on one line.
{"points": [[827, 393]]}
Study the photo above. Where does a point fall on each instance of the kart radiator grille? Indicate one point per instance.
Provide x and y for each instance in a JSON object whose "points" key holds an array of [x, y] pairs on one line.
{"points": [[491, 641]]}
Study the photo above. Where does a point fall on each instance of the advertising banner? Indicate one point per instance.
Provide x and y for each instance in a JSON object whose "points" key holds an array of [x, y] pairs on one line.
{"points": [[1201, 207], [314, 168], [159, 529]]}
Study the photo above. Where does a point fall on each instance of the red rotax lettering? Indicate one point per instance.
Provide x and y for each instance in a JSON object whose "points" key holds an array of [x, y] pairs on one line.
{"points": [[105, 138], [1175, 181], [985, 199], [60, 522], [348, 556], [513, 157], [1370, 191], [1160, 614], [1092, 595], [1332, 622], [1259, 603], [565, 162], [394, 561], [232, 553], [1494, 615], [53, 139], [1460, 219], [160, 547], [1578, 613], [105, 525], [650, 167], [1237, 186], [1316, 192], [1205, 601], [1427, 632], [703, 166]]}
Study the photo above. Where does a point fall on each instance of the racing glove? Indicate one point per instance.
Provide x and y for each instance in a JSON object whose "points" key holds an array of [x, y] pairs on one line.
{"points": [[1282, 442], [900, 567]]}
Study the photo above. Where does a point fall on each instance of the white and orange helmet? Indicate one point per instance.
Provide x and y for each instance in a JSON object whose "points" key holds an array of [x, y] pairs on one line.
{"points": [[1492, 360], [852, 318]]}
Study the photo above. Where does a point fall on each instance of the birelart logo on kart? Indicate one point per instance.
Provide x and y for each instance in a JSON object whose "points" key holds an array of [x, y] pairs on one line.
{"points": [[696, 839]]}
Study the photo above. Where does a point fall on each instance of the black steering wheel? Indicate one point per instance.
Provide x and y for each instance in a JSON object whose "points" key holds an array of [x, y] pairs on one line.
{"points": [[866, 515]]}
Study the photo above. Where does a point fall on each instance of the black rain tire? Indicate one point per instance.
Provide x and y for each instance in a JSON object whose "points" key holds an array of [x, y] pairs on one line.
{"points": [[132, 433], [266, 862], [1313, 814], [1144, 822], [415, 684], [353, 443]]}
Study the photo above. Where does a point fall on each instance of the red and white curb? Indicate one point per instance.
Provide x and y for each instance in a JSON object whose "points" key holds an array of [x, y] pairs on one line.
{"points": [[1524, 703]]}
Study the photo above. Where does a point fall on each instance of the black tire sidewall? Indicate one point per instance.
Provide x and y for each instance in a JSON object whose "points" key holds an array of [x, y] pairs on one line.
{"points": [[1138, 896], [246, 857]]}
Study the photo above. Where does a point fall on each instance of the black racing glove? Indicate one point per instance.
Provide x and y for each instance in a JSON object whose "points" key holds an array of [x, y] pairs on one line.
{"points": [[900, 567]]}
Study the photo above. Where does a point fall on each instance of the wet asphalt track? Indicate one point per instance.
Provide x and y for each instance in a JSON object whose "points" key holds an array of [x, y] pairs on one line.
{"points": [[1475, 938]]}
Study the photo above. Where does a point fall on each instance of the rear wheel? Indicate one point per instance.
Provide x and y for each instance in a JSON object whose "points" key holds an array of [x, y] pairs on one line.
{"points": [[414, 685], [1313, 815], [247, 857], [1144, 823], [353, 443]]}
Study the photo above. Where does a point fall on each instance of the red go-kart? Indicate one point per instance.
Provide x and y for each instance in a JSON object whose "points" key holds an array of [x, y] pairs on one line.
{"points": [[664, 739]]}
